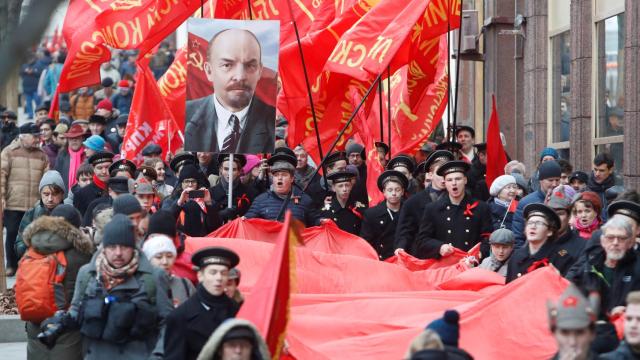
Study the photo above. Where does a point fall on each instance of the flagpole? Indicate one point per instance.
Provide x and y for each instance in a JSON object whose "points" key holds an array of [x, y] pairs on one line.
{"points": [[449, 123], [381, 110], [230, 178], [344, 128], [455, 104], [506, 214], [308, 85], [389, 106], [249, 7]]}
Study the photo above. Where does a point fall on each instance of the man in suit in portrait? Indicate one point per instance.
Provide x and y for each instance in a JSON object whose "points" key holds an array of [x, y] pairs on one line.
{"points": [[233, 119]]}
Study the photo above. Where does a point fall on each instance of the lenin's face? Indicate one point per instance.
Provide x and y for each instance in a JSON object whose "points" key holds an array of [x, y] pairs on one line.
{"points": [[234, 68]]}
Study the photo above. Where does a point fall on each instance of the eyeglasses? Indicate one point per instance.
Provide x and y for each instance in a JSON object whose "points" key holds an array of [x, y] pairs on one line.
{"points": [[612, 238], [189, 182], [511, 187], [537, 223]]}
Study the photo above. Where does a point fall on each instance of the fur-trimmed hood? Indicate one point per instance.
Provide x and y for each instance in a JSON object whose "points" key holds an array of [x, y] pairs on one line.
{"points": [[213, 345], [48, 234]]}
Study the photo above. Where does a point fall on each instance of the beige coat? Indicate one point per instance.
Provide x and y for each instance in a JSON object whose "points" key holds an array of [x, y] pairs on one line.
{"points": [[20, 173]]}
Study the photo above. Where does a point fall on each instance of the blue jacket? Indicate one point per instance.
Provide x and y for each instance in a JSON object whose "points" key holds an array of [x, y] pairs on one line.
{"points": [[122, 102], [267, 206], [518, 218], [499, 212]]}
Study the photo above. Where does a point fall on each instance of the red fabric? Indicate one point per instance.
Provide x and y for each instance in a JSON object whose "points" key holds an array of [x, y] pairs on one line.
{"points": [[369, 309], [467, 211], [54, 110], [513, 205], [91, 27], [150, 120], [106, 103], [268, 305], [99, 183], [172, 86], [496, 156]]}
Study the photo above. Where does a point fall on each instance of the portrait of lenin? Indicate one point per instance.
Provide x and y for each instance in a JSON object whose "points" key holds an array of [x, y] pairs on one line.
{"points": [[232, 119]]}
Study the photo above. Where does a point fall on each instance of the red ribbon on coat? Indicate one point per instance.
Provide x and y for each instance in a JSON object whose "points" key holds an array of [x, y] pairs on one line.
{"points": [[355, 212], [244, 198], [470, 207], [538, 264]]}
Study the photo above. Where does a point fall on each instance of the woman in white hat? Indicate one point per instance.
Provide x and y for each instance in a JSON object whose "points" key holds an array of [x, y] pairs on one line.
{"points": [[503, 193], [161, 252]]}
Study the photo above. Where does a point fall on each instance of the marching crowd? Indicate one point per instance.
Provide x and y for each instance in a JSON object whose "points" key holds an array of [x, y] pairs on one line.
{"points": [[93, 237]]}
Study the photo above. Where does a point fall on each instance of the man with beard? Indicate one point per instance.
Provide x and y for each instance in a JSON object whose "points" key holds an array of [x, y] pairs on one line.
{"points": [[341, 207], [610, 275], [191, 324], [23, 165], [455, 220], [379, 222], [232, 120], [411, 213], [242, 194]]}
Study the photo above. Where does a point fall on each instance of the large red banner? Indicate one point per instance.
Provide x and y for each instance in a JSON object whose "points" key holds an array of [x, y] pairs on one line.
{"points": [[370, 309], [92, 26]]}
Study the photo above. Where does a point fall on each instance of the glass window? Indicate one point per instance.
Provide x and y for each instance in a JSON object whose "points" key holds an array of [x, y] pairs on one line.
{"points": [[615, 149], [610, 91], [561, 85]]}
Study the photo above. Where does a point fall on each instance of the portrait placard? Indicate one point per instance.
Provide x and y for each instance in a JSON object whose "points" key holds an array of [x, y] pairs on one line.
{"points": [[231, 86]]}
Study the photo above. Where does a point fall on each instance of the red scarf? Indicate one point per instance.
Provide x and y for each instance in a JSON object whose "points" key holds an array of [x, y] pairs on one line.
{"points": [[586, 231], [75, 160], [99, 183]]}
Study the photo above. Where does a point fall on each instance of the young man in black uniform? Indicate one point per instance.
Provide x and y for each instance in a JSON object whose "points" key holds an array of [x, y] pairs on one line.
{"points": [[319, 190], [379, 222], [411, 213], [190, 324], [541, 230], [243, 195], [406, 165], [455, 220], [101, 161], [345, 211]]}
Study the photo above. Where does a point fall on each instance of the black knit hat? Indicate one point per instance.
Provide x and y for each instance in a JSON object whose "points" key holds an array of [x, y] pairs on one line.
{"points": [[119, 231], [69, 213], [162, 222], [126, 204], [190, 171]]}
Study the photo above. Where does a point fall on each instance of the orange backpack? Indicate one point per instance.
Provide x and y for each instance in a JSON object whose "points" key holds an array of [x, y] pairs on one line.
{"points": [[39, 289]]}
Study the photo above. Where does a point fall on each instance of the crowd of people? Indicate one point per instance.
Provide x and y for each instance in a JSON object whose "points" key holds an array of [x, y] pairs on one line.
{"points": [[108, 230]]}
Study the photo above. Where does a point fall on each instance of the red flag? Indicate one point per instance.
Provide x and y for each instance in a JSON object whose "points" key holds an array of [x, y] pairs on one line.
{"points": [[496, 157], [90, 26], [513, 205], [268, 304], [54, 110], [150, 120]]}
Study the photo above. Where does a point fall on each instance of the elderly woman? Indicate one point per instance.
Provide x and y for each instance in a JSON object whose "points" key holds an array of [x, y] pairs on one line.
{"points": [[503, 191], [161, 252]]}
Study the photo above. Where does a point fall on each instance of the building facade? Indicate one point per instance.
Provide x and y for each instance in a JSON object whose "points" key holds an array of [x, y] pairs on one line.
{"points": [[565, 74]]}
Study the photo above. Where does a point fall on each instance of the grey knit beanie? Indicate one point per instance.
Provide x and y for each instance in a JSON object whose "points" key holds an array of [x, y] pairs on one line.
{"points": [[52, 177], [126, 204], [119, 231]]}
